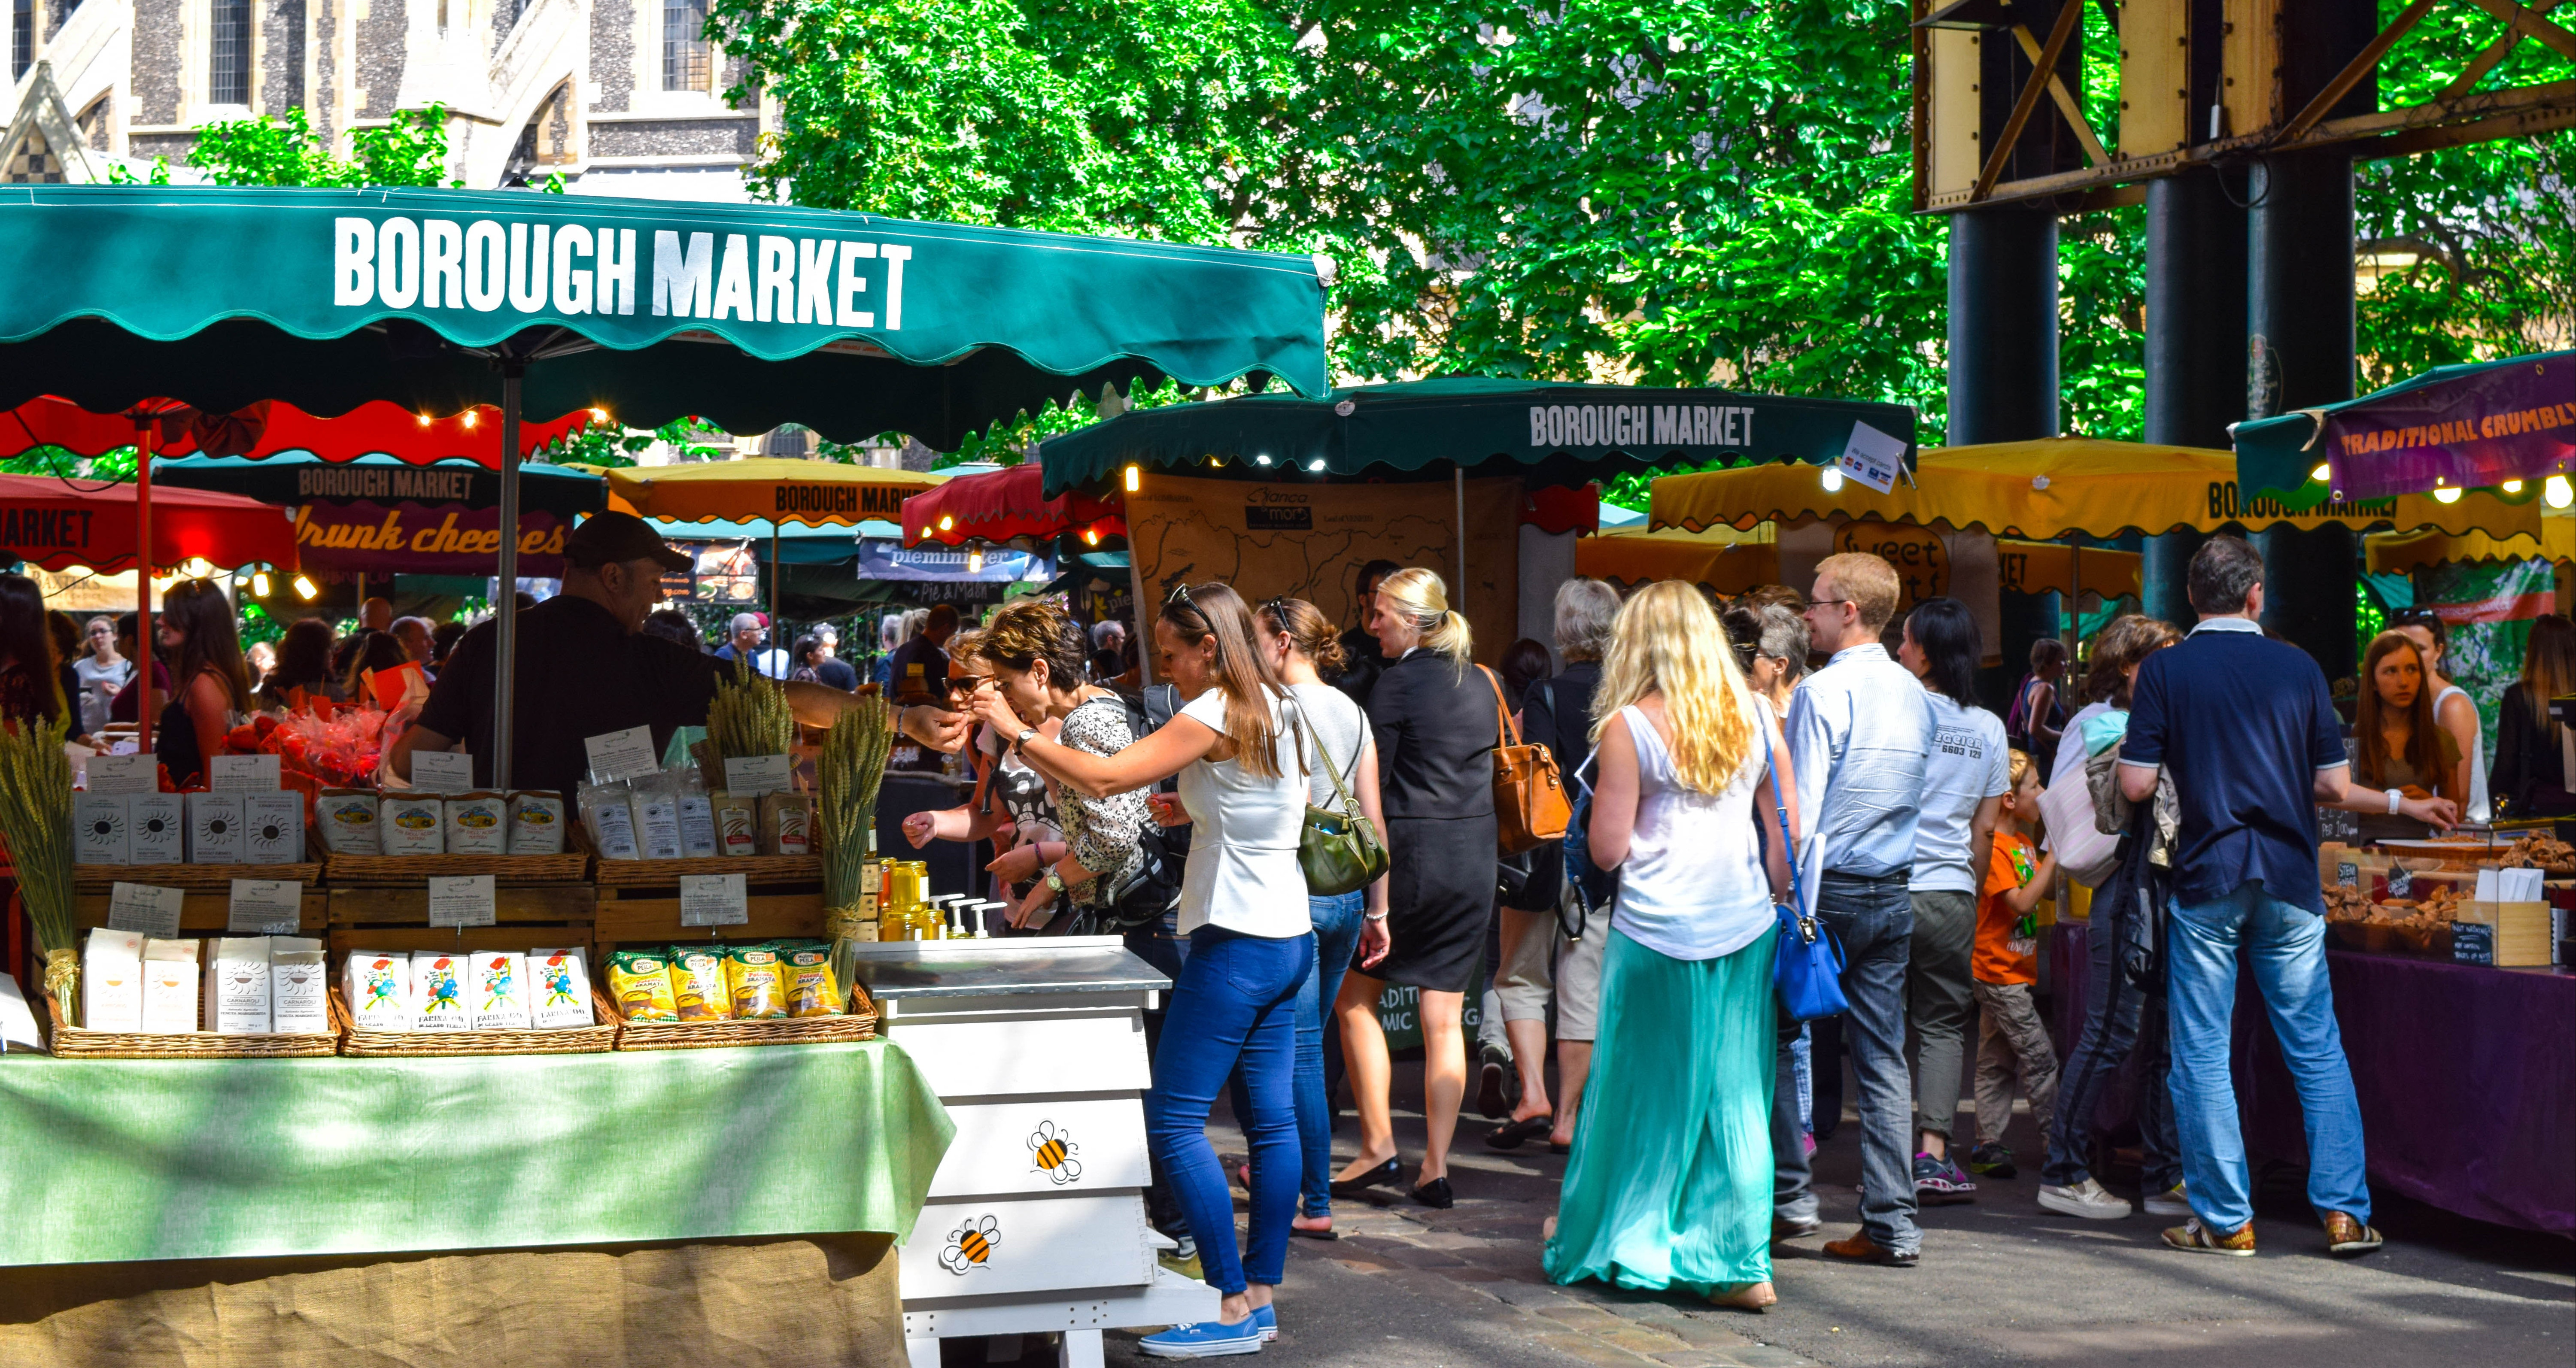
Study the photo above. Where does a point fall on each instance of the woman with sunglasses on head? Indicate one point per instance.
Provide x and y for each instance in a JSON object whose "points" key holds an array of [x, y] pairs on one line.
{"points": [[1243, 907]]}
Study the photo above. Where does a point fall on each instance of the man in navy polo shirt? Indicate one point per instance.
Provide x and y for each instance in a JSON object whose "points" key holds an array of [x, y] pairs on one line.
{"points": [[2248, 729]]}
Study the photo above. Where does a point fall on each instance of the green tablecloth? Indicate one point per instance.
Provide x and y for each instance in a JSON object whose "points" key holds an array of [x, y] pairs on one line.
{"points": [[172, 1159]]}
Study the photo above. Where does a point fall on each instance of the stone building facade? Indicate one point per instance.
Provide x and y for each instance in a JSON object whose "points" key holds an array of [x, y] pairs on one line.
{"points": [[618, 97]]}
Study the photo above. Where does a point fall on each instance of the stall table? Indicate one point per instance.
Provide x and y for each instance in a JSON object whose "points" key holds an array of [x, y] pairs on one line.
{"points": [[2468, 1093], [694, 1207], [1036, 1218]]}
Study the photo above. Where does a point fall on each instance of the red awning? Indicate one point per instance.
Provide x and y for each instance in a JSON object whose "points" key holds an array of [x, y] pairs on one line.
{"points": [[998, 505], [1555, 508], [58, 523], [266, 429]]}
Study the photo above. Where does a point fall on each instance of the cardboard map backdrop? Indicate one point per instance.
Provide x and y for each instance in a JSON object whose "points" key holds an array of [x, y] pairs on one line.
{"points": [[1300, 540]]}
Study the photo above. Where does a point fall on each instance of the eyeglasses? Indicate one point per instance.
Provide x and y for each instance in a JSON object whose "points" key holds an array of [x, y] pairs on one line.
{"points": [[1815, 604]]}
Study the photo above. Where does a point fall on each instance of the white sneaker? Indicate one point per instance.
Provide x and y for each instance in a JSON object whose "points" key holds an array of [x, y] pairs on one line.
{"points": [[2085, 1199], [2173, 1203]]}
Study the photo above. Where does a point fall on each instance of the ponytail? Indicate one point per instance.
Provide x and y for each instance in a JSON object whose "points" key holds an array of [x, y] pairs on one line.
{"points": [[1423, 600]]}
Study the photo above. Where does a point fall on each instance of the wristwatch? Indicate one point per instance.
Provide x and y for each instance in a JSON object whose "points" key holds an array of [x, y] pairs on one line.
{"points": [[2394, 798], [1054, 880], [1026, 735]]}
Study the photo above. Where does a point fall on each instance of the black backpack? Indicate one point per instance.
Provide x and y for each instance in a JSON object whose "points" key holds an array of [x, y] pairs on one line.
{"points": [[1155, 886]]}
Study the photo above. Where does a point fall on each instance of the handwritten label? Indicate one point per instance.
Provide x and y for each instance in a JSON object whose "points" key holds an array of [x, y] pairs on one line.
{"points": [[442, 772], [713, 900], [144, 910], [463, 900], [1872, 457], [124, 774], [750, 775], [266, 907], [246, 773], [622, 755]]}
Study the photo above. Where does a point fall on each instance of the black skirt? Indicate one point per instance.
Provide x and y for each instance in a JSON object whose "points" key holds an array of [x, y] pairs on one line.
{"points": [[1439, 897]]}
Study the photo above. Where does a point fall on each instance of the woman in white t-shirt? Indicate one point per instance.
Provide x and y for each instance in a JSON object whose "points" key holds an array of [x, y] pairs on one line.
{"points": [[1669, 1184], [1243, 906]]}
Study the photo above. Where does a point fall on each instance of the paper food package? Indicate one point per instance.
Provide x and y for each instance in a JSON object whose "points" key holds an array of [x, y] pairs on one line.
{"points": [[536, 824], [698, 987], [412, 824], [377, 986], [169, 987], [608, 811], [438, 979], [99, 829], [697, 825], [272, 827], [215, 828], [298, 986], [112, 981], [478, 824], [156, 828], [499, 992], [558, 988], [347, 818], [236, 985], [787, 823], [737, 824], [657, 820]]}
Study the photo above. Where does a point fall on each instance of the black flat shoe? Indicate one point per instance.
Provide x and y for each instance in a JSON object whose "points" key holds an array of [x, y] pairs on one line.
{"points": [[1555, 1148], [1387, 1174], [1436, 1195], [1511, 1135]]}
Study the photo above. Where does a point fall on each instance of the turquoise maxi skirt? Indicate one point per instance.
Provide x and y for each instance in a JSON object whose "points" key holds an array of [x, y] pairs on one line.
{"points": [[1670, 1180]]}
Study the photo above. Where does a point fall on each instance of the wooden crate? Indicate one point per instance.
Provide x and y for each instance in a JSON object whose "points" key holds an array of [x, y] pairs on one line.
{"points": [[204, 913], [415, 871], [783, 894], [525, 916], [217, 878]]}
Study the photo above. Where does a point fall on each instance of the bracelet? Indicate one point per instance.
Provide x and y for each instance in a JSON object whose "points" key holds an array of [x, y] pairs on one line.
{"points": [[1372, 916], [2394, 798]]}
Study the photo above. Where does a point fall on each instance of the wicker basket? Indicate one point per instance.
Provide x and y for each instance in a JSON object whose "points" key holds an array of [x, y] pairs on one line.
{"points": [[73, 1042], [859, 1023], [758, 869], [416, 870], [595, 1039], [196, 878]]}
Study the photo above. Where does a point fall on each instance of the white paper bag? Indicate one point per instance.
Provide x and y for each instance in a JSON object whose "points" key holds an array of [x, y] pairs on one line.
{"points": [[438, 989], [376, 984], [156, 828], [500, 991], [169, 986], [112, 981], [99, 824], [558, 988], [272, 827], [297, 998], [236, 985], [215, 828], [413, 824]]}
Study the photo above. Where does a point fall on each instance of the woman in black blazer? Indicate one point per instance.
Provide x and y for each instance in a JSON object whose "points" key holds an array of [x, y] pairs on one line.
{"points": [[1433, 713]]}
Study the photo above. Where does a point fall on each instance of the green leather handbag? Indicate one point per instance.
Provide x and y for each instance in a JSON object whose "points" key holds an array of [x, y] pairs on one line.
{"points": [[1339, 852]]}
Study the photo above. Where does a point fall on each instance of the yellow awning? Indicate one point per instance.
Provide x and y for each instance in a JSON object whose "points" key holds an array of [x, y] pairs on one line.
{"points": [[777, 489], [2394, 553], [2042, 490], [1724, 559], [2029, 567]]}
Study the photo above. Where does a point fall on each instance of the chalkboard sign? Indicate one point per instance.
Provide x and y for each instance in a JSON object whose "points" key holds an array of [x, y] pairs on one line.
{"points": [[2472, 943]]}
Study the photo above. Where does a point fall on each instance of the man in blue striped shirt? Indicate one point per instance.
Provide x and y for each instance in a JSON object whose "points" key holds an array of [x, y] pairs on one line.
{"points": [[1860, 735]]}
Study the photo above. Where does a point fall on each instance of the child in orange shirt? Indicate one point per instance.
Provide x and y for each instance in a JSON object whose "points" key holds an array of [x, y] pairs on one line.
{"points": [[2010, 1038]]}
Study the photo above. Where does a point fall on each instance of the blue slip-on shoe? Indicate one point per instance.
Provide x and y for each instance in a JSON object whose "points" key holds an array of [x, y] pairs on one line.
{"points": [[1267, 1317], [1207, 1339]]}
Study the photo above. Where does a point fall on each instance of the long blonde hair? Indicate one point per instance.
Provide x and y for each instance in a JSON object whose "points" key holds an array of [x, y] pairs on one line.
{"points": [[1667, 640], [1420, 597]]}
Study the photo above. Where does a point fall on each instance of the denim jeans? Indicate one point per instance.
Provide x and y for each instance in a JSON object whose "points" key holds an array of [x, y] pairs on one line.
{"points": [[2285, 944], [1235, 1003], [1873, 921], [1337, 934], [2120, 1023]]}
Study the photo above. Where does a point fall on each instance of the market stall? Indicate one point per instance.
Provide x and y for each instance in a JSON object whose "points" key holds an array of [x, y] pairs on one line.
{"points": [[2487, 424], [382, 514], [1005, 505]]}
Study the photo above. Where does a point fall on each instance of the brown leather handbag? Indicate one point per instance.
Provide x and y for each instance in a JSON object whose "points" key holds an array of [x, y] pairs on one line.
{"points": [[1530, 807]]}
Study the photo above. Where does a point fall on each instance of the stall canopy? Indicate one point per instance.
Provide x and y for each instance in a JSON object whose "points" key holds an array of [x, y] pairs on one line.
{"points": [[771, 489], [2044, 490], [380, 514], [1731, 562], [269, 428], [2464, 427], [2395, 553], [1424, 429], [1001, 504], [56, 523]]}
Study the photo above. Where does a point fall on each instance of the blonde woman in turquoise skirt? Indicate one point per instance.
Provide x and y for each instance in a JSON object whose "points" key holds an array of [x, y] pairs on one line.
{"points": [[1670, 1180]]}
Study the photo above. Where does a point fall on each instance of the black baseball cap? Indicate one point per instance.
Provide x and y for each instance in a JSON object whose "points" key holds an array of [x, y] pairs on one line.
{"points": [[606, 537]]}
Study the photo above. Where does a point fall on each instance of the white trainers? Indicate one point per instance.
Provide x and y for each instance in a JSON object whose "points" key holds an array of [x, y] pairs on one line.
{"points": [[2174, 1203], [2085, 1199]]}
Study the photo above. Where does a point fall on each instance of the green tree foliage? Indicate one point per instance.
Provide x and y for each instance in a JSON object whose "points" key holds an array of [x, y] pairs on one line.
{"points": [[410, 150], [607, 444], [117, 465]]}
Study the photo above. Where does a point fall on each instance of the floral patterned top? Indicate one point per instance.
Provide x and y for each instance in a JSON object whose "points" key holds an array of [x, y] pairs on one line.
{"points": [[1102, 831]]}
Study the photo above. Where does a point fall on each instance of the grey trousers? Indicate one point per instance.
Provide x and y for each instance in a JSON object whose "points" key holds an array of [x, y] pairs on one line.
{"points": [[1939, 1004], [1873, 922]]}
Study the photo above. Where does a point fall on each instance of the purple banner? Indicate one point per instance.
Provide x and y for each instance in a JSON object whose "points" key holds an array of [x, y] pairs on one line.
{"points": [[446, 539], [2507, 422]]}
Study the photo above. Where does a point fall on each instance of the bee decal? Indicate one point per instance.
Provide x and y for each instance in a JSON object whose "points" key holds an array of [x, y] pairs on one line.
{"points": [[970, 1245], [1054, 1151]]}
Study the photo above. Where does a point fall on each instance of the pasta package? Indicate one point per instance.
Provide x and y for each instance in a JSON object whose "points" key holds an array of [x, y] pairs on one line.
{"points": [[810, 989], [412, 824], [758, 981], [536, 826], [640, 983], [477, 824], [558, 988], [737, 824], [787, 823], [348, 821], [438, 980], [699, 987]]}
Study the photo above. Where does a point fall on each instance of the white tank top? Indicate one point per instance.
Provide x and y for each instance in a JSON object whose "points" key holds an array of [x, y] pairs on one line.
{"points": [[2477, 810], [1692, 887]]}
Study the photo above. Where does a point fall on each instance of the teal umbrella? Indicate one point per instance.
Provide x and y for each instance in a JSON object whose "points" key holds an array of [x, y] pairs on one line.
{"points": [[750, 316], [2459, 427], [1549, 434]]}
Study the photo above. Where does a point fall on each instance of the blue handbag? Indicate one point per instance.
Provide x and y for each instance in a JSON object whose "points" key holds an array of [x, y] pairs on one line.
{"points": [[1807, 967], [1590, 887]]}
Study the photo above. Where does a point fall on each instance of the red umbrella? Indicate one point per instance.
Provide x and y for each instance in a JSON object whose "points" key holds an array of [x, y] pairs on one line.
{"points": [[266, 429], [998, 505], [59, 523]]}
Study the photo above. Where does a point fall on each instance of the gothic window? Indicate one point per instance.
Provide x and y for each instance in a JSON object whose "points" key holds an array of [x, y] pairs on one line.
{"points": [[22, 37], [228, 53], [686, 62]]}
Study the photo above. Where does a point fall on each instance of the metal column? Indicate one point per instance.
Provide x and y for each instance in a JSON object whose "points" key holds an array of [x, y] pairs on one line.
{"points": [[2003, 325], [2195, 385]]}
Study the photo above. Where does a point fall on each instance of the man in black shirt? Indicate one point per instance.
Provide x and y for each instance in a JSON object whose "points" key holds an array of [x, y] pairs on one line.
{"points": [[1359, 645], [584, 669], [921, 664], [833, 671]]}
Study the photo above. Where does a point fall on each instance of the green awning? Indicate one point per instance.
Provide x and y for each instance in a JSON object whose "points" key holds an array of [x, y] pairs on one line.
{"points": [[746, 315], [1546, 433], [2473, 426]]}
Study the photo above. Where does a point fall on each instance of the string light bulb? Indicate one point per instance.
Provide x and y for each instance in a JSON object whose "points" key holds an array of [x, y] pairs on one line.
{"points": [[2322, 472], [306, 589], [1091, 536], [1135, 477], [196, 567], [471, 417], [2511, 486], [1833, 479], [259, 584], [975, 559], [2557, 492], [2448, 494]]}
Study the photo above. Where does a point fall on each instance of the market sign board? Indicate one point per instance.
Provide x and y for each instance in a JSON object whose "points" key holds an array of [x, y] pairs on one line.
{"points": [[1922, 562], [881, 559], [362, 536]]}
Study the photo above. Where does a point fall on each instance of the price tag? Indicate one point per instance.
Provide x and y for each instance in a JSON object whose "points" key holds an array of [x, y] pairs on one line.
{"points": [[125, 774], [713, 900], [144, 910], [442, 772], [249, 773], [266, 907], [622, 755], [465, 900], [752, 775], [1872, 457]]}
